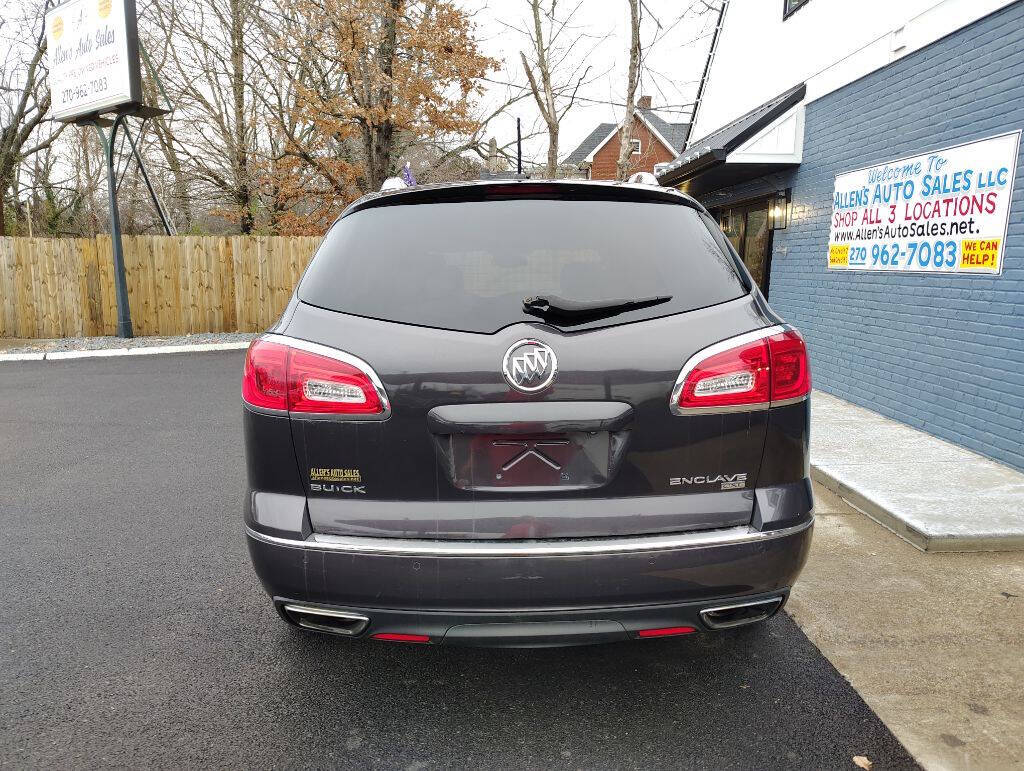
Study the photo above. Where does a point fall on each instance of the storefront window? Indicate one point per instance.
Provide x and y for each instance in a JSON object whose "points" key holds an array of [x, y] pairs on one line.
{"points": [[732, 226], [755, 247], [748, 229]]}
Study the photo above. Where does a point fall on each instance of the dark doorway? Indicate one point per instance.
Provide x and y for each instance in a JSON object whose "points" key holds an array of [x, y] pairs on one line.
{"points": [[748, 227]]}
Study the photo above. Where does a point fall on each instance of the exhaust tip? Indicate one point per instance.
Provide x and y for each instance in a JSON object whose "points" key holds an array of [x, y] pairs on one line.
{"points": [[326, 620], [740, 613]]}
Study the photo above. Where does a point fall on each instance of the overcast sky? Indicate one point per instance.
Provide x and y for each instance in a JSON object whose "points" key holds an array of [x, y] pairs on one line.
{"points": [[672, 65], [675, 34]]}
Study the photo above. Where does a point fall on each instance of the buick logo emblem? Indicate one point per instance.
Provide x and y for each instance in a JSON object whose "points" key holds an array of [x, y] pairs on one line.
{"points": [[529, 366]]}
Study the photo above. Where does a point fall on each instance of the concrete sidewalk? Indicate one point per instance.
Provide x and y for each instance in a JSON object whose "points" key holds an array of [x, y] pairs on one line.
{"points": [[936, 495], [933, 643]]}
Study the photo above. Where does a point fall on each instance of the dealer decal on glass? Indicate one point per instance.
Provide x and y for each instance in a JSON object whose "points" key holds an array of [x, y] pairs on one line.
{"points": [[941, 212]]}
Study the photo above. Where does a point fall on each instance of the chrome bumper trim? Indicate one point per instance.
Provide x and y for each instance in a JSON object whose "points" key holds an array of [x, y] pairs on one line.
{"points": [[733, 536]]}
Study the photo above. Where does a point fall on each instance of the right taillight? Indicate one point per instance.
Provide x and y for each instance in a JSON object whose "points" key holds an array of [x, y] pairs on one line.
{"points": [[307, 378], [751, 371], [734, 377], [791, 376]]}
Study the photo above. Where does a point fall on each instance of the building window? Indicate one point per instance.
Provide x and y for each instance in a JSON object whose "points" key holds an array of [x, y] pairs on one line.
{"points": [[634, 145], [750, 227], [792, 6]]}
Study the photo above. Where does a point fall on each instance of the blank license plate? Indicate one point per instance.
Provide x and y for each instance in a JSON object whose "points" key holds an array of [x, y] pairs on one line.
{"points": [[537, 462]]}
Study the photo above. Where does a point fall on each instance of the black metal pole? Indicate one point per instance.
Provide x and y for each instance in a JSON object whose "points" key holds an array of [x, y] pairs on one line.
{"points": [[124, 316], [519, 148], [149, 185]]}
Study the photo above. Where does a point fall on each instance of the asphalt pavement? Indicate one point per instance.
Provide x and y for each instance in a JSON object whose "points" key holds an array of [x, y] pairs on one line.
{"points": [[133, 631]]}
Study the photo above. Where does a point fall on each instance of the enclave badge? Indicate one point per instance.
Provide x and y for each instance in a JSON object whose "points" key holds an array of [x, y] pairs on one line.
{"points": [[529, 365]]}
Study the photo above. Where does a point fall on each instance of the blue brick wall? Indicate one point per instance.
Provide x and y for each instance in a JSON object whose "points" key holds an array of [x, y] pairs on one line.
{"points": [[944, 354]]}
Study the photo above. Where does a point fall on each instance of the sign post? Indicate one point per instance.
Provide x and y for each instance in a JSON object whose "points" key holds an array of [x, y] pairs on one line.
{"points": [[93, 52], [124, 317]]}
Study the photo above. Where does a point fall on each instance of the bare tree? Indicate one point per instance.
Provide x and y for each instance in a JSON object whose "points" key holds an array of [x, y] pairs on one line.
{"points": [[479, 141], [209, 82], [283, 112], [24, 101], [307, 171], [552, 69], [626, 130], [86, 157], [166, 161]]}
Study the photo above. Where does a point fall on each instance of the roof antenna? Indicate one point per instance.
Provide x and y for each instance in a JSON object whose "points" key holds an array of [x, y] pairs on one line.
{"points": [[519, 148]]}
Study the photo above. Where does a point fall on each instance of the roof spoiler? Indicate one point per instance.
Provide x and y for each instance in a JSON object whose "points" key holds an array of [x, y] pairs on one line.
{"points": [[492, 190]]}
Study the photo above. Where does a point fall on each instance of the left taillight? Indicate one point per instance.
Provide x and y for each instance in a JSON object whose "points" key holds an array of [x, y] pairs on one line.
{"points": [[751, 371], [265, 379], [307, 378]]}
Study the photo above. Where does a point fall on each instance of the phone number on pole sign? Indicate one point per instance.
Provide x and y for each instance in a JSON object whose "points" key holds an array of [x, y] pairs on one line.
{"points": [[940, 212]]}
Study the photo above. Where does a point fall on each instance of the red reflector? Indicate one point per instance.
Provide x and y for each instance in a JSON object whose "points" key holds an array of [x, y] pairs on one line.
{"points": [[668, 631], [281, 377], [398, 637], [791, 377]]}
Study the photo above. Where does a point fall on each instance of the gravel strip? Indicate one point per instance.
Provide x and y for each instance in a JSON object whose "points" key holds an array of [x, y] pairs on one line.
{"points": [[104, 343]]}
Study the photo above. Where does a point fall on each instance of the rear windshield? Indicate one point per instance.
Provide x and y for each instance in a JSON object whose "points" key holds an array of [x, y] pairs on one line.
{"points": [[469, 265]]}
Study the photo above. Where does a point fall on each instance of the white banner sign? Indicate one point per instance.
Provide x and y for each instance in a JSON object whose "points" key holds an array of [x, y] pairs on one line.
{"points": [[940, 212], [93, 56]]}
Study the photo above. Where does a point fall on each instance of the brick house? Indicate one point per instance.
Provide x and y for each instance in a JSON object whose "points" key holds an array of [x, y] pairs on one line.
{"points": [[655, 141]]}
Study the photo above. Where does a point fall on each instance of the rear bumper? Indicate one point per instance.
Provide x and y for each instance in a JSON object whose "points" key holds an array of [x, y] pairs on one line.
{"points": [[535, 629], [408, 586]]}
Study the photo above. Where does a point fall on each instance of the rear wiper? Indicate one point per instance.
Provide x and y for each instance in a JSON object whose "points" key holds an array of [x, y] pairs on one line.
{"points": [[558, 308]]}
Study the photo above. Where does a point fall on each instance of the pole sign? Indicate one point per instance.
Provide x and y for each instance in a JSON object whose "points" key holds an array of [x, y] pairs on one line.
{"points": [[93, 56], [940, 212]]}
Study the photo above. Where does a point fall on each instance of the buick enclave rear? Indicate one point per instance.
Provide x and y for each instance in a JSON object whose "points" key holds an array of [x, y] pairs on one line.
{"points": [[527, 413]]}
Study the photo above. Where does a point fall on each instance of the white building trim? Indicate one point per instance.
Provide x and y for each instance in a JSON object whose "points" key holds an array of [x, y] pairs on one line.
{"points": [[826, 44], [781, 141]]}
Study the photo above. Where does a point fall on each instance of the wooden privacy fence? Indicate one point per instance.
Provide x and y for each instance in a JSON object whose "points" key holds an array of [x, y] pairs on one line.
{"points": [[64, 287]]}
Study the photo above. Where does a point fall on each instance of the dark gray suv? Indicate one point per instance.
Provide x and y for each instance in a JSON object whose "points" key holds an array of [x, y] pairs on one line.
{"points": [[527, 413]]}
